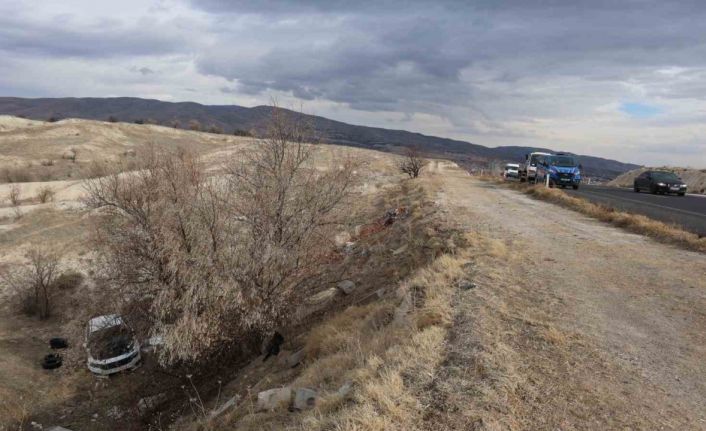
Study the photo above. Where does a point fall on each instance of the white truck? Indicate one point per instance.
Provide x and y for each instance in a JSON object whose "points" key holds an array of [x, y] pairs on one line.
{"points": [[528, 169], [512, 170]]}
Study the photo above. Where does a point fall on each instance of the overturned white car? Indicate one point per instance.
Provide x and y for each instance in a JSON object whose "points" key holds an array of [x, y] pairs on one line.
{"points": [[111, 345]]}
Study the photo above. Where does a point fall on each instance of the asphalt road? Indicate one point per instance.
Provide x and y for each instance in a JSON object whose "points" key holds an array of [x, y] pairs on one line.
{"points": [[688, 211]]}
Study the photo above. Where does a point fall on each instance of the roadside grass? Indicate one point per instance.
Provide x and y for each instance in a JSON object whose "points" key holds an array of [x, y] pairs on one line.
{"points": [[387, 348], [388, 357], [635, 223]]}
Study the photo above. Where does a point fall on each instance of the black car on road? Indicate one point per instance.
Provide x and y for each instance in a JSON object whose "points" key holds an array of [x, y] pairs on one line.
{"points": [[659, 182]]}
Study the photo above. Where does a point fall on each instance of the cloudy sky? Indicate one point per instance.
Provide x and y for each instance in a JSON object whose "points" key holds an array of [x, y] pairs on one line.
{"points": [[621, 79]]}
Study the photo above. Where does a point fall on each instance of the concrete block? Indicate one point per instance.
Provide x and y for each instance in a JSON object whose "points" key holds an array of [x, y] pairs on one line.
{"points": [[346, 286], [295, 358], [323, 296], [274, 398], [304, 399]]}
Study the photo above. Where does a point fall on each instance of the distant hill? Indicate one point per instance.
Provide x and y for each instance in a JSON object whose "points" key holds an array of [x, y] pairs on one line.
{"points": [[233, 118], [695, 179]]}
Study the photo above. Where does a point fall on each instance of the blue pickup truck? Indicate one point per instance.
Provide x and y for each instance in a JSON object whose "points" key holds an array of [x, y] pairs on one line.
{"points": [[562, 170]]}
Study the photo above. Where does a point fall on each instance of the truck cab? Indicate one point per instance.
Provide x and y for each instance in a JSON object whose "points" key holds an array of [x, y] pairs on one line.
{"points": [[528, 169], [560, 169], [512, 170]]}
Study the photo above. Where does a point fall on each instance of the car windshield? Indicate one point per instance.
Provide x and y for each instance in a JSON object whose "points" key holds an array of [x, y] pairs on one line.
{"points": [[664, 176], [534, 158], [110, 342], [563, 161]]}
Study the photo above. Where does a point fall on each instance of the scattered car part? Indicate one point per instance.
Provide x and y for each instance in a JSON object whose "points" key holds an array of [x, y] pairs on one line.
{"points": [[52, 361], [58, 343]]}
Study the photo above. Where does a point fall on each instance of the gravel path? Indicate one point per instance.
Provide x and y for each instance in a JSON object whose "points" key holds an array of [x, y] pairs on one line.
{"points": [[574, 324]]}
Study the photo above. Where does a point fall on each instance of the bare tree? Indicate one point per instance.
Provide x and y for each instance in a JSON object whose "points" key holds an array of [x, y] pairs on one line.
{"points": [[413, 163], [215, 261], [33, 284], [15, 195], [195, 125], [213, 128], [45, 194]]}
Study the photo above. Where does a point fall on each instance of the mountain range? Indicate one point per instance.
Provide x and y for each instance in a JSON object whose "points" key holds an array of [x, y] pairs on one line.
{"points": [[240, 119]]}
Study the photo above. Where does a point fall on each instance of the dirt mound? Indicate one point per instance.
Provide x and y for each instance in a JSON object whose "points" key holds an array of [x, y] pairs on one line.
{"points": [[695, 179], [27, 142], [8, 122]]}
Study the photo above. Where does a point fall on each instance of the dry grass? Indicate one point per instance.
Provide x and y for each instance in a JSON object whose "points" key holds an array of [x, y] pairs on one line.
{"points": [[632, 222], [387, 349], [389, 360]]}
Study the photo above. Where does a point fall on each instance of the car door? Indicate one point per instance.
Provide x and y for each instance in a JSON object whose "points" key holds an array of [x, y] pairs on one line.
{"points": [[539, 163], [639, 180], [644, 180], [648, 181]]}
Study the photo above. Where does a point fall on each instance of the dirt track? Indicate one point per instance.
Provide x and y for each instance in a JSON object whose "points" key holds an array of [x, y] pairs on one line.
{"points": [[574, 324]]}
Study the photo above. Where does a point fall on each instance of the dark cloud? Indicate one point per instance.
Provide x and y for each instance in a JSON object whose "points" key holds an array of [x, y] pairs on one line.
{"points": [[103, 39], [396, 55], [144, 71], [544, 72]]}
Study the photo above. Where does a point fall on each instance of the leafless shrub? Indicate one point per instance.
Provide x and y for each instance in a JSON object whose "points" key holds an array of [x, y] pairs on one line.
{"points": [[241, 132], [413, 163], [33, 284], [45, 194], [47, 162], [220, 260], [68, 280], [99, 169], [71, 154], [175, 124], [15, 195], [215, 129], [16, 175], [112, 119], [194, 125]]}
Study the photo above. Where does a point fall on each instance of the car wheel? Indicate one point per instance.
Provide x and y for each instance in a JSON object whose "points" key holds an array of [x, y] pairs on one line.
{"points": [[636, 189], [58, 343], [681, 194], [51, 361], [575, 186], [653, 190]]}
